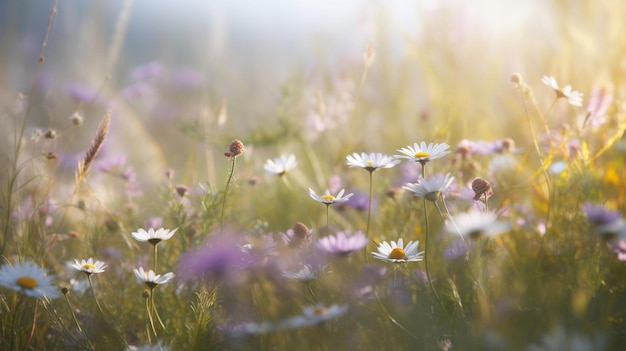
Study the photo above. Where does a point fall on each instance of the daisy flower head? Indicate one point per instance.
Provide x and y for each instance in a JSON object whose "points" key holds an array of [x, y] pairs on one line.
{"points": [[313, 315], [430, 188], [342, 244], [89, 266], [397, 252], [423, 153], [280, 165], [153, 236], [476, 224], [29, 279], [151, 279], [371, 162], [307, 273], [574, 98], [329, 199]]}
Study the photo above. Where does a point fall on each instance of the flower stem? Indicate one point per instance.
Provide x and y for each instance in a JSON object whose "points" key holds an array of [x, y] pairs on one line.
{"points": [[369, 206], [230, 179], [69, 305], [93, 292], [149, 310]]}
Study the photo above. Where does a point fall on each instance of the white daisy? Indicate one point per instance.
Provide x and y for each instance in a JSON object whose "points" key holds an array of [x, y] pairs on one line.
{"points": [[329, 199], [153, 236], [372, 161], [29, 279], [307, 273], [475, 224], [574, 98], [313, 315], [397, 253], [90, 267], [281, 165], [151, 279], [430, 188], [423, 153]]}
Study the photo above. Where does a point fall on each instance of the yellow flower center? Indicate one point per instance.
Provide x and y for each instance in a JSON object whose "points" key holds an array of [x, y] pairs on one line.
{"points": [[27, 282], [318, 311], [421, 154], [369, 163], [328, 197], [89, 266], [397, 254]]}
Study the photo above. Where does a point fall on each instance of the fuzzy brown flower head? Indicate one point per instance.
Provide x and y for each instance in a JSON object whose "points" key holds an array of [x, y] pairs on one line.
{"points": [[508, 145], [481, 187], [50, 134], [300, 230], [234, 149]]}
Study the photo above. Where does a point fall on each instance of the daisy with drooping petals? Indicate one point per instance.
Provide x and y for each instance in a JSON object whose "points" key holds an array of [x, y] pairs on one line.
{"points": [[397, 253], [151, 279], [574, 98], [423, 153], [430, 188], [281, 165], [28, 279], [372, 161], [89, 266], [153, 236]]}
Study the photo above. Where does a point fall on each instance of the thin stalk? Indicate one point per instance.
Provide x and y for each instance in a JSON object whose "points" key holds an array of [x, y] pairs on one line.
{"points": [[69, 305], [93, 292], [154, 265], [327, 222], [156, 313], [32, 329], [149, 310], [369, 205], [230, 179]]}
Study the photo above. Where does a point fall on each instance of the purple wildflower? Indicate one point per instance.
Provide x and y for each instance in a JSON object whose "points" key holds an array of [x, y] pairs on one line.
{"points": [[342, 244]]}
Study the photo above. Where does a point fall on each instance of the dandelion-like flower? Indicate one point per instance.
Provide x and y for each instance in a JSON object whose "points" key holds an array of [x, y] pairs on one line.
{"points": [[430, 188], [371, 162], [342, 243], [397, 252], [29, 279], [151, 279], [423, 153], [476, 224], [574, 98], [89, 267], [281, 165], [329, 199], [153, 236]]}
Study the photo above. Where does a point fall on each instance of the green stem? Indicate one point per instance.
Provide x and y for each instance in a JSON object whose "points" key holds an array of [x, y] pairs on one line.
{"points": [[149, 310], [327, 222], [93, 292], [230, 179], [69, 305], [369, 206], [154, 265]]}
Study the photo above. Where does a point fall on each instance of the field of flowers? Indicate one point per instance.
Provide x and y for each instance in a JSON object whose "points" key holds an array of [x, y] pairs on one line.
{"points": [[457, 184]]}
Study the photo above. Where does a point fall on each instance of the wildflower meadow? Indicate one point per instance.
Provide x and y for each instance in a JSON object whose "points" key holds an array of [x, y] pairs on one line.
{"points": [[301, 175]]}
